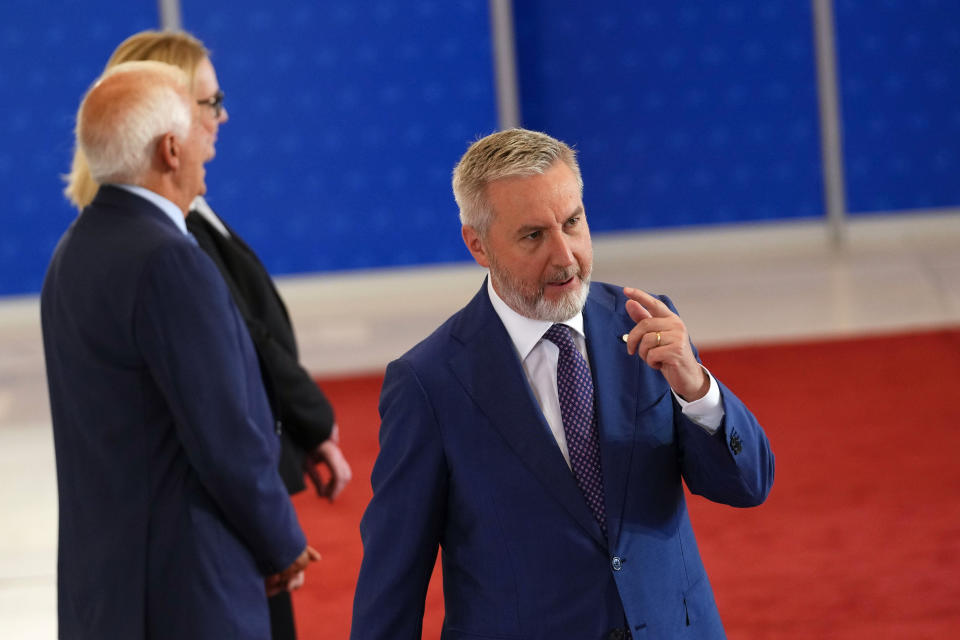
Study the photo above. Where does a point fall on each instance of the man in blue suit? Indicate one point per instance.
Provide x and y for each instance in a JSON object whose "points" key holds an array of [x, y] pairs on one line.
{"points": [[539, 437], [164, 532]]}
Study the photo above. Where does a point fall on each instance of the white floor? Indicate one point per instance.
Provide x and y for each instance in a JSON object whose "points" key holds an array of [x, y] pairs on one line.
{"points": [[732, 286]]}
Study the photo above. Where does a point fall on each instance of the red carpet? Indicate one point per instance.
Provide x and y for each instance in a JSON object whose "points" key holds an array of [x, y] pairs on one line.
{"points": [[859, 539]]}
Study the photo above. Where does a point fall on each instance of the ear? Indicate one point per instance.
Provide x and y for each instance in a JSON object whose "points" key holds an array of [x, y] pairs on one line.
{"points": [[169, 151], [475, 245]]}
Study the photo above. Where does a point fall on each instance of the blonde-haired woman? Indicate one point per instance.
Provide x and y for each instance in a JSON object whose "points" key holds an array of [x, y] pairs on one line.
{"points": [[179, 49], [305, 419]]}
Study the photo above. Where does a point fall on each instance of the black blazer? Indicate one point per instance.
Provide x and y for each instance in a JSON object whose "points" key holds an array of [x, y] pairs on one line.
{"points": [[304, 415]]}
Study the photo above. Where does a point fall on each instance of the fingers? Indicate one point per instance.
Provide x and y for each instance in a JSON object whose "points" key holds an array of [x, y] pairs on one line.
{"points": [[660, 339], [314, 476], [636, 311], [652, 316], [308, 555], [274, 584], [296, 582], [643, 337], [653, 306], [335, 487], [293, 576], [340, 472], [651, 346]]}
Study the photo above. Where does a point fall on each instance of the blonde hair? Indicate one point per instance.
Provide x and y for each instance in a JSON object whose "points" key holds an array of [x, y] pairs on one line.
{"points": [[505, 154], [176, 48]]}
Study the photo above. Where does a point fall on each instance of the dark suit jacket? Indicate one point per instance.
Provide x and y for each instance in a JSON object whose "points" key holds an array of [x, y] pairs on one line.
{"points": [[303, 413], [467, 462], [164, 531]]}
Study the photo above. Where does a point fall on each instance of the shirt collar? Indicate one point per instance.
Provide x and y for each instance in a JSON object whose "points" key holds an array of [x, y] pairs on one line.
{"points": [[173, 211], [523, 331], [201, 207]]}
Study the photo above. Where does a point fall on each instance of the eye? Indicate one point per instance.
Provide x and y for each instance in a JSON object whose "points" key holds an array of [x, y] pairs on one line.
{"points": [[573, 221], [533, 235]]}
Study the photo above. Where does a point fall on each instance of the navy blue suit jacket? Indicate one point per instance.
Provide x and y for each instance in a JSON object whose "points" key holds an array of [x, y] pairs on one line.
{"points": [[467, 463], [171, 508]]}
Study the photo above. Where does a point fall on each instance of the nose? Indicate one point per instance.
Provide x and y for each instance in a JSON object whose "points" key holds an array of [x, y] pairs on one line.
{"points": [[223, 116], [561, 253]]}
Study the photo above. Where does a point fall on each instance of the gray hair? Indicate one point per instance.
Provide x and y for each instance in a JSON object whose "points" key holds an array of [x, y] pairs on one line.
{"points": [[505, 154], [124, 113]]}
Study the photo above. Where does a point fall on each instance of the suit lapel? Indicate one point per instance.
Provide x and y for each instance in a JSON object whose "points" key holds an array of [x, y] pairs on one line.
{"points": [[489, 370]]}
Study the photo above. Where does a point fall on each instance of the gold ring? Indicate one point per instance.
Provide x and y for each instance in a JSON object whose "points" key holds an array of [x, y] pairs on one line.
{"points": [[658, 339]]}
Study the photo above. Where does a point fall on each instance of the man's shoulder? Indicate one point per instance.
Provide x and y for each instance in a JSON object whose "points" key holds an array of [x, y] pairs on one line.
{"points": [[453, 333], [436, 344]]}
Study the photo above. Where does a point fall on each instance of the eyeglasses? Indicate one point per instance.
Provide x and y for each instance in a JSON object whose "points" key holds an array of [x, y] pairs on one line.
{"points": [[216, 102]]}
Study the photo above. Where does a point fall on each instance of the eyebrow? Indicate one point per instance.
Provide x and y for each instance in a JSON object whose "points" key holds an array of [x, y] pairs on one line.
{"points": [[530, 228]]}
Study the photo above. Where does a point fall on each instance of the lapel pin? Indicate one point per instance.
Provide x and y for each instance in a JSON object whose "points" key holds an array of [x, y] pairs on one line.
{"points": [[625, 336]]}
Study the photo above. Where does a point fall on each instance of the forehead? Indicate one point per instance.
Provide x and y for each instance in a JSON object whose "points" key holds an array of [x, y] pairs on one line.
{"points": [[521, 199], [204, 79]]}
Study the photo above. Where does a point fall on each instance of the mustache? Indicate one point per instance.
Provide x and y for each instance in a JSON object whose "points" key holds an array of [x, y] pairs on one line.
{"points": [[562, 275]]}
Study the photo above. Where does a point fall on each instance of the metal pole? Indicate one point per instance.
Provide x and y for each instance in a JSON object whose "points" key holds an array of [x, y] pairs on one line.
{"points": [[831, 134], [170, 15], [505, 64]]}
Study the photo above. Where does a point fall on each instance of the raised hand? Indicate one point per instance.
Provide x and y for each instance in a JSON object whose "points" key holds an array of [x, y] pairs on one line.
{"points": [[660, 339]]}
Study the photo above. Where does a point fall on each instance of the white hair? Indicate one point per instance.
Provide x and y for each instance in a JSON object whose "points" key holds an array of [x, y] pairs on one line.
{"points": [[124, 114]]}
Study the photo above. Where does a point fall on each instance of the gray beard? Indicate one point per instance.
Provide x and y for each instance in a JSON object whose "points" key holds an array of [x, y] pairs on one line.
{"points": [[535, 305]]}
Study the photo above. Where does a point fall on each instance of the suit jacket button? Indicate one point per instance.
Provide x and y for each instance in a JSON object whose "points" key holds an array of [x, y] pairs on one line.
{"points": [[278, 427], [617, 563]]}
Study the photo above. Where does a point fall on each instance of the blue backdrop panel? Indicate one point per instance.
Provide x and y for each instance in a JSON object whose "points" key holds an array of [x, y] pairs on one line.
{"points": [[50, 53], [683, 112], [900, 86], [346, 119]]}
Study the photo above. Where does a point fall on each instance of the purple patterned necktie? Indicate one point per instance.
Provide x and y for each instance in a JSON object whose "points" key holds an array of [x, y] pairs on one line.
{"points": [[575, 388]]}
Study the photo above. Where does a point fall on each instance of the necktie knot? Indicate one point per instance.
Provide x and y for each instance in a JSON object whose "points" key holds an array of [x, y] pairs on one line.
{"points": [[559, 334]]}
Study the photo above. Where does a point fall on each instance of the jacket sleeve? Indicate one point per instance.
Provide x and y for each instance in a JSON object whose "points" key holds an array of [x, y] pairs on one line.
{"points": [[402, 525], [734, 465], [199, 354]]}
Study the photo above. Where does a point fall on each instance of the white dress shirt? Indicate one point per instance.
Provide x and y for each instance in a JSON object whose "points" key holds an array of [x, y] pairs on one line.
{"points": [[539, 358]]}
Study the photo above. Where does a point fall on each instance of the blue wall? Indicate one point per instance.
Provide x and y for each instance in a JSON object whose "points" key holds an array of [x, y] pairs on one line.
{"points": [[346, 117], [50, 52], [900, 86], [683, 112]]}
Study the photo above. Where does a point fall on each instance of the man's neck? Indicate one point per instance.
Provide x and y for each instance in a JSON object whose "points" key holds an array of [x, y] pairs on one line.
{"points": [[163, 186]]}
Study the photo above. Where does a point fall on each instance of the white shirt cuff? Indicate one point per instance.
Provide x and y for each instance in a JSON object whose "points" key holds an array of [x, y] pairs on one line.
{"points": [[708, 410]]}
